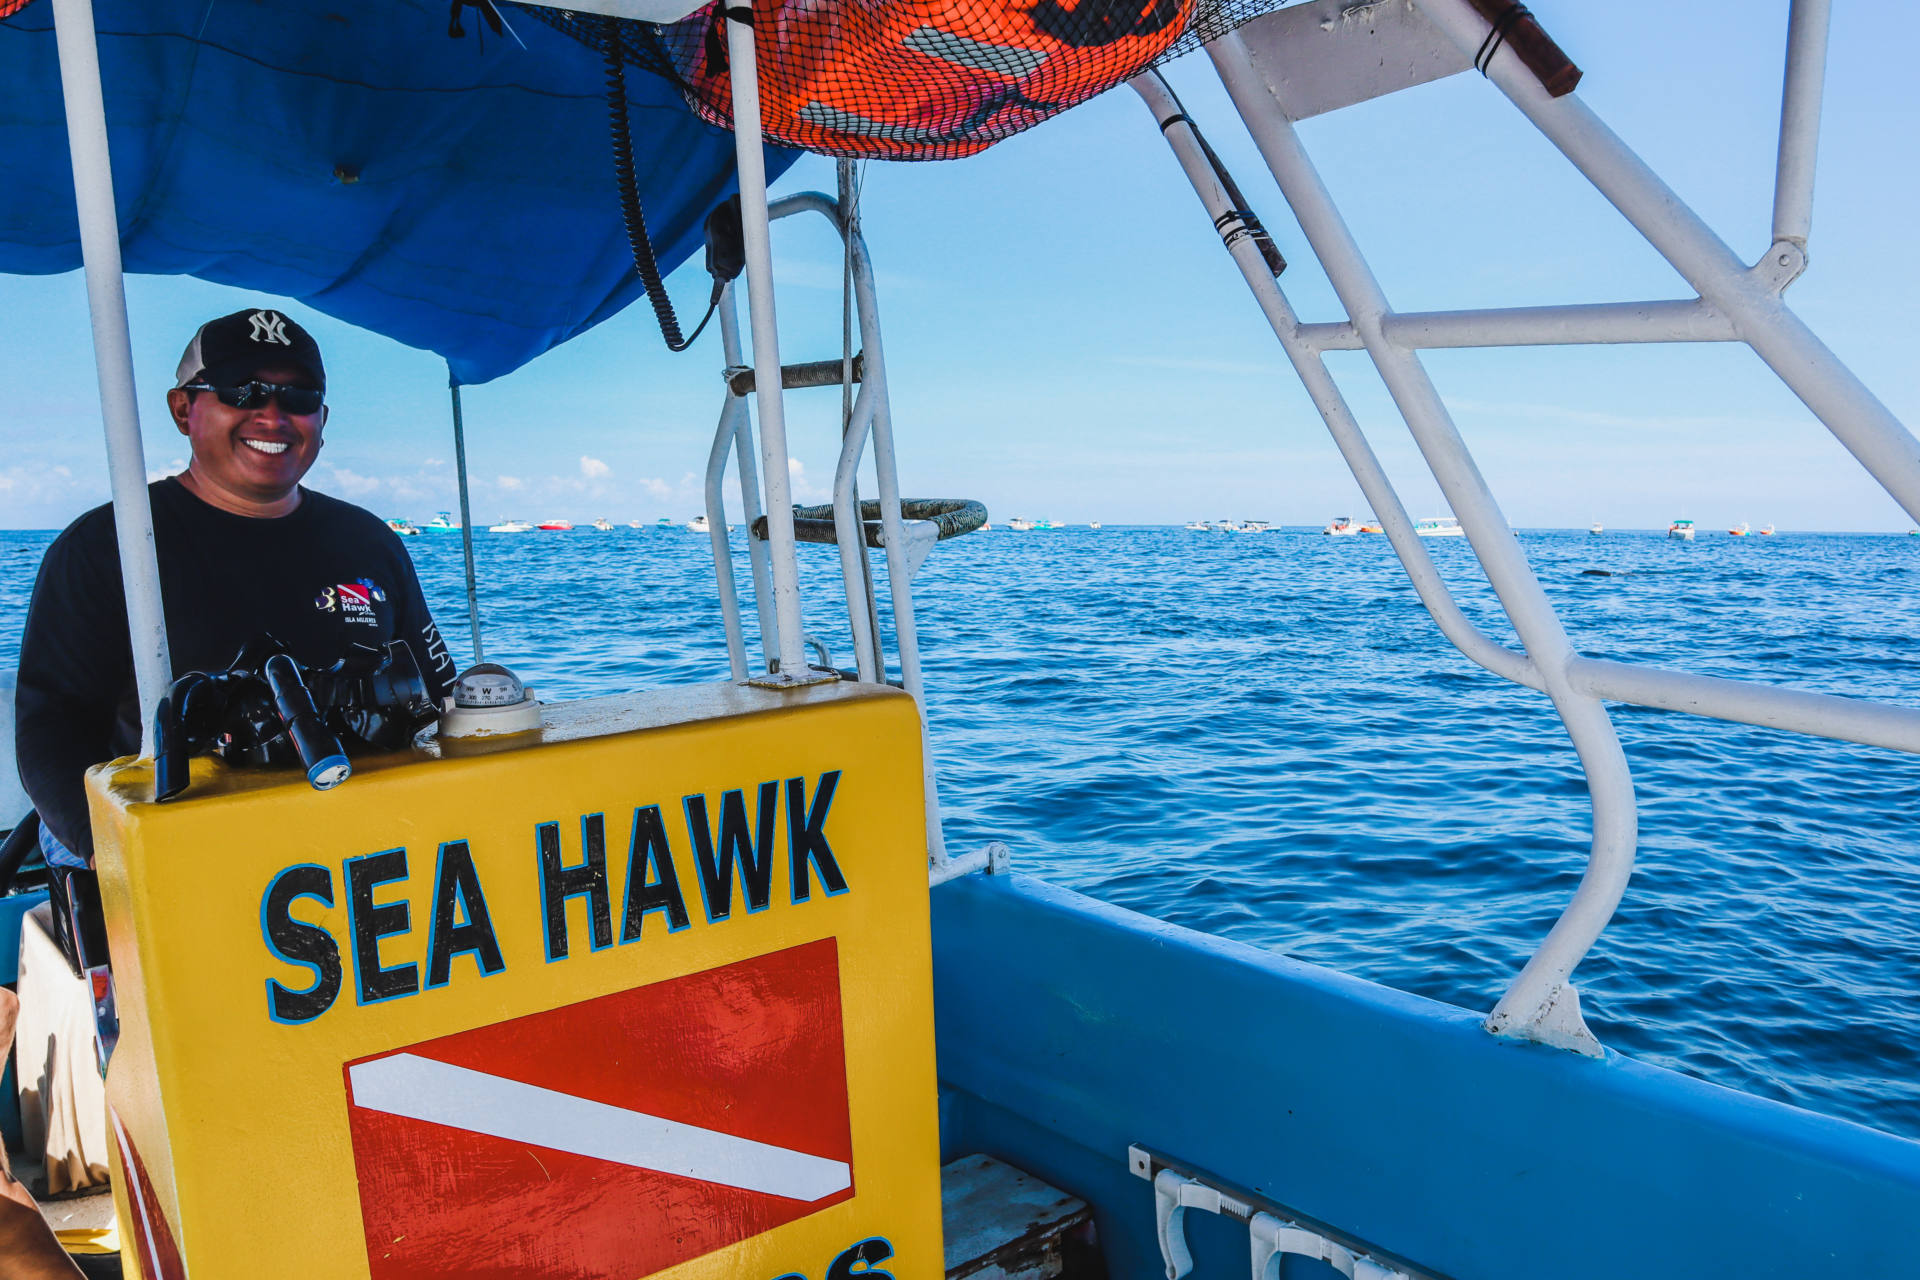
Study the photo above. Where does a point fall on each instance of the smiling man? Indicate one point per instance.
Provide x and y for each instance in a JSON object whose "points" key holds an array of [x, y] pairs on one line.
{"points": [[244, 549]]}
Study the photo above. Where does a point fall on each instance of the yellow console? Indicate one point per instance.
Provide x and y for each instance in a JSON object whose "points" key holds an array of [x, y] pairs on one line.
{"points": [[645, 993]]}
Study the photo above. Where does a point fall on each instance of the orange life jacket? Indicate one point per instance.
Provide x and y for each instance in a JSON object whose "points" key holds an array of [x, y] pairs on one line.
{"points": [[923, 79]]}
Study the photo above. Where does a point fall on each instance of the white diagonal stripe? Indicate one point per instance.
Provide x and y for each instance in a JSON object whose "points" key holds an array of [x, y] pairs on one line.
{"points": [[404, 1084]]}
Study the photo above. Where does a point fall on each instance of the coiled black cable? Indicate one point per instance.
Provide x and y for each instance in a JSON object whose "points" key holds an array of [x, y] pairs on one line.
{"points": [[1502, 26], [620, 125]]}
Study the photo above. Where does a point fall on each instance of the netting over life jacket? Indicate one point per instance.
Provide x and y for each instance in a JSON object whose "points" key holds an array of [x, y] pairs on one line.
{"points": [[921, 79]]}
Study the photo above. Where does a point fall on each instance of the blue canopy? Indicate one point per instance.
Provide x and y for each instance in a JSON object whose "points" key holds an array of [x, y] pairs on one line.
{"points": [[454, 194]]}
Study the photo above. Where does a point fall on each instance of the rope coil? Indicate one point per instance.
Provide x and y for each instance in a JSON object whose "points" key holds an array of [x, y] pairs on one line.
{"points": [[951, 517]]}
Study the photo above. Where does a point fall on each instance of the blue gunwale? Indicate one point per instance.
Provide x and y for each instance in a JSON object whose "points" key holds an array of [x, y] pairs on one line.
{"points": [[1069, 1029]]}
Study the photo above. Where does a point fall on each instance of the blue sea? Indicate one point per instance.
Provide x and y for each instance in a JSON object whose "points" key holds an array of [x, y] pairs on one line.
{"points": [[1265, 737]]}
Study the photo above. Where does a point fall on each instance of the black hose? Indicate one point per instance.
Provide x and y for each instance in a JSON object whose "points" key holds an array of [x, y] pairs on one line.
{"points": [[645, 264]]}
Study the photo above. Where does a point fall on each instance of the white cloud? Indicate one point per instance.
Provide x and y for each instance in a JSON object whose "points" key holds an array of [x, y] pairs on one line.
{"points": [[511, 484], [657, 488], [803, 489], [593, 468], [352, 483]]}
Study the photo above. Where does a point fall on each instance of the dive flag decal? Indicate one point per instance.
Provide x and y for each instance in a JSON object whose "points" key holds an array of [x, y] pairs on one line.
{"points": [[617, 1136]]}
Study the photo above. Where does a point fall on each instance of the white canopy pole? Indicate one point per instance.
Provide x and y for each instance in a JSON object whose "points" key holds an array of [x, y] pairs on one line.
{"points": [[791, 648], [113, 352]]}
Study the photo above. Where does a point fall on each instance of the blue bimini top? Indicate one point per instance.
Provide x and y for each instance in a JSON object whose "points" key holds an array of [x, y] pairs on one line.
{"points": [[454, 193]]}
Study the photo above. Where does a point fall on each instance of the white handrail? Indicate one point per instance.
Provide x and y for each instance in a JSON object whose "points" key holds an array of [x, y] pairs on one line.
{"points": [[873, 389], [1802, 89], [113, 353], [733, 412], [1541, 1004], [1668, 320]]}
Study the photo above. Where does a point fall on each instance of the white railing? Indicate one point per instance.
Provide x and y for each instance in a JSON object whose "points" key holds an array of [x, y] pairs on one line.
{"points": [[904, 544], [1736, 303]]}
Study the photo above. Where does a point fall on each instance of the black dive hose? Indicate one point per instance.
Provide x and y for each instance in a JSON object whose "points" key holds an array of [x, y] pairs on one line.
{"points": [[648, 267]]}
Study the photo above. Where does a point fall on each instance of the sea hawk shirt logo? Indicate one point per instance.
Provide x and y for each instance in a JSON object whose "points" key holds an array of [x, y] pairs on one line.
{"points": [[269, 326], [352, 602]]}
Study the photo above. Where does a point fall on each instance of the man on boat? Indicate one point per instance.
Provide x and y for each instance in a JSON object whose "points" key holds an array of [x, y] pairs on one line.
{"points": [[244, 550]]}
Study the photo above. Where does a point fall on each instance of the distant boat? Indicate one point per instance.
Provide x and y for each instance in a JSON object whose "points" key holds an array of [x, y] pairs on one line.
{"points": [[442, 522], [1439, 527], [1681, 529], [1596, 527], [1766, 531], [633, 524], [1094, 525], [402, 527], [1250, 526], [664, 522], [603, 524], [1372, 526], [556, 525], [1341, 527], [1045, 524], [1021, 526], [511, 526], [1740, 530], [1196, 526], [699, 524]]}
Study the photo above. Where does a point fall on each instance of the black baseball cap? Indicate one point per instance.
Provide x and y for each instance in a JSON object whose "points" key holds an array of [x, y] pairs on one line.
{"points": [[234, 348]]}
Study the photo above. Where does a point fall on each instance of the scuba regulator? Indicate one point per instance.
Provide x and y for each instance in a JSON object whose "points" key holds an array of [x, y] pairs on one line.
{"points": [[266, 709]]}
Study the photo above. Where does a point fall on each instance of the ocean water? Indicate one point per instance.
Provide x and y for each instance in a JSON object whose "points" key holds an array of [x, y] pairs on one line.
{"points": [[1264, 737]]}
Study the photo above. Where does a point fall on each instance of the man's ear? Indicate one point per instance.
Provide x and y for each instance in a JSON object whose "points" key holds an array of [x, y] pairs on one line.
{"points": [[178, 402]]}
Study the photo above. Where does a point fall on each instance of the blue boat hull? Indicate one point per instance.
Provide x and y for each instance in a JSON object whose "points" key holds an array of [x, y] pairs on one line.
{"points": [[1069, 1030]]}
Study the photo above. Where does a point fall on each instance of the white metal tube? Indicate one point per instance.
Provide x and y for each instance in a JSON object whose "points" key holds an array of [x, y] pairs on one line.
{"points": [[113, 353], [1536, 999], [847, 205], [790, 646], [1802, 89], [1820, 715], [1678, 320], [1750, 299], [1326, 395], [851, 536], [906, 633], [732, 412], [744, 452]]}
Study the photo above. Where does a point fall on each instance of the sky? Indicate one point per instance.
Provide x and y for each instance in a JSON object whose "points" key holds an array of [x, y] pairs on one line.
{"points": [[1066, 338]]}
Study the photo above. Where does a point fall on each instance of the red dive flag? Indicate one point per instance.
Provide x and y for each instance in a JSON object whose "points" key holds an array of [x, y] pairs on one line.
{"points": [[614, 1137]]}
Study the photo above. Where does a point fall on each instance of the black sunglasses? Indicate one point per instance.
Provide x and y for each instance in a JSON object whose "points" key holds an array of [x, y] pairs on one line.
{"points": [[248, 395]]}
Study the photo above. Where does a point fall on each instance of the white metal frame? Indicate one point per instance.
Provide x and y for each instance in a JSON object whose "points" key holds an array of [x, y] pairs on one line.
{"points": [[871, 420], [1735, 303]]}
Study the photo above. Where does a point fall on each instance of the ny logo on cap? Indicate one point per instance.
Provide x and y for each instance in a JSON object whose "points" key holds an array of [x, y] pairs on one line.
{"points": [[269, 326]]}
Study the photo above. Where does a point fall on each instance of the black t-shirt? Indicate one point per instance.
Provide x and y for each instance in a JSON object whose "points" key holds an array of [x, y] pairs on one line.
{"points": [[318, 580]]}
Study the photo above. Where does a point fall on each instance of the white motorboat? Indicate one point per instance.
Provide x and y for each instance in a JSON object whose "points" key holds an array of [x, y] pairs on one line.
{"points": [[1596, 527], [404, 528], [699, 524], [1681, 530], [1341, 527], [510, 526], [1439, 527], [604, 525]]}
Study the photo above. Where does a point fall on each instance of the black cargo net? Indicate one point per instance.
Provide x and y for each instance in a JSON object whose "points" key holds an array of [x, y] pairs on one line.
{"points": [[912, 79]]}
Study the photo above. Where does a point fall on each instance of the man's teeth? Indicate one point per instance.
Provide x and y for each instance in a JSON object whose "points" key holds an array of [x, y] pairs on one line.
{"points": [[266, 446]]}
